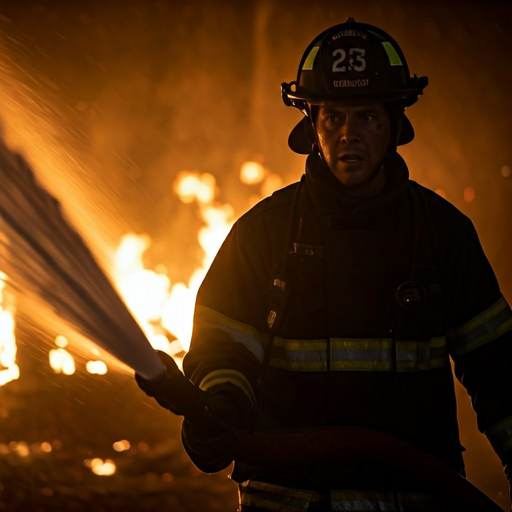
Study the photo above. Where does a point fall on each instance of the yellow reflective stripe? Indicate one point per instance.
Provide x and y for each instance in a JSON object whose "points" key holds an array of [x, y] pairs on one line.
{"points": [[299, 355], [302, 345], [372, 501], [302, 366], [376, 344], [500, 435], [310, 59], [362, 366], [247, 335], [486, 338], [421, 355], [264, 496], [408, 366], [365, 354], [361, 354], [276, 498], [482, 318], [394, 58], [485, 327], [234, 377], [438, 342]]}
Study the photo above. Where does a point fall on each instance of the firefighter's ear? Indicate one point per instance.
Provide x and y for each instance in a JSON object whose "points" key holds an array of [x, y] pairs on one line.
{"points": [[302, 138]]}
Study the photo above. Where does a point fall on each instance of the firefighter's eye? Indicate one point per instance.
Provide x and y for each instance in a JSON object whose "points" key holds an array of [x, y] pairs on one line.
{"points": [[367, 117], [332, 120]]}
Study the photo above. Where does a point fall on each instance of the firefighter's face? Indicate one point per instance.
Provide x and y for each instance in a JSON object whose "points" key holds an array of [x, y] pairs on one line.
{"points": [[353, 141]]}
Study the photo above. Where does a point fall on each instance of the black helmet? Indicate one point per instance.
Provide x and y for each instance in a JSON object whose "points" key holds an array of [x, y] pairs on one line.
{"points": [[352, 63]]}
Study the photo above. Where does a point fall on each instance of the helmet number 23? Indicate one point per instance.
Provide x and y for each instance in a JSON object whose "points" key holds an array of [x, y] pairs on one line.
{"points": [[355, 61]]}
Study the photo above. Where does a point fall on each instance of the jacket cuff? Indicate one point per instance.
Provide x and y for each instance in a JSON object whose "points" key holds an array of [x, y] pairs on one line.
{"points": [[218, 378]]}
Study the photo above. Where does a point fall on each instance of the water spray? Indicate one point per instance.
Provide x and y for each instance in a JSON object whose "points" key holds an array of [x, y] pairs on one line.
{"points": [[47, 260]]}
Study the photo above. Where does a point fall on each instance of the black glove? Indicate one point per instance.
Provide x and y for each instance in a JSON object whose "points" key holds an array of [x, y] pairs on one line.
{"points": [[211, 444], [211, 418], [173, 391]]}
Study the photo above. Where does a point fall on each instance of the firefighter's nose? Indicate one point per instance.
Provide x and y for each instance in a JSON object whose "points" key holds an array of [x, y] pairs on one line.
{"points": [[349, 131]]}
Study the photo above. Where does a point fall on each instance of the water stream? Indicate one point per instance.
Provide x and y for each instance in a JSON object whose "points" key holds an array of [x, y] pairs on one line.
{"points": [[49, 264]]}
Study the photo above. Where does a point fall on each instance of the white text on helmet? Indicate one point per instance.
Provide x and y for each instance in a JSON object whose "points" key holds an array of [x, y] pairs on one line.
{"points": [[365, 82], [349, 33]]}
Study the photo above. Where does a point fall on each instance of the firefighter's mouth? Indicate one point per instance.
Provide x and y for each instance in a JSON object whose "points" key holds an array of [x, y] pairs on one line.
{"points": [[351, 158]]}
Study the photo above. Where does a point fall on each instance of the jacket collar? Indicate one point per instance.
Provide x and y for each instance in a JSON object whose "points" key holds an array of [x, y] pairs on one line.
{"points": [[330, 196]]}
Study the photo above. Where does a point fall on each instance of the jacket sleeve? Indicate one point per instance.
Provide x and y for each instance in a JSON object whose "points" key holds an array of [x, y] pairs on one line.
{"points": [[480, 342], [228, 341]]}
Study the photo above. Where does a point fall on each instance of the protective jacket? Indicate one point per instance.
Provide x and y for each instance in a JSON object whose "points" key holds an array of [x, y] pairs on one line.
{"points": [[321, 309]]}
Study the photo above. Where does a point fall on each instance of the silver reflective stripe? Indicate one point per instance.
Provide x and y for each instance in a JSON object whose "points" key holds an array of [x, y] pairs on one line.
{"points": [[374, 354], [336, 354], [421, 355], [362, 354], [300, 355], [222, 376], [483, 328], [248, 336], [385, 501], [272, 497]]}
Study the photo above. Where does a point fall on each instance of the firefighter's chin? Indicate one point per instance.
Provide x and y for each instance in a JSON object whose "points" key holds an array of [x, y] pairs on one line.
{"points": [[358, 178]]}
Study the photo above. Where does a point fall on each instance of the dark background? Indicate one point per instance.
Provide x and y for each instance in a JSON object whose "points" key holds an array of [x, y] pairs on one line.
{"points": [[110, 100]]}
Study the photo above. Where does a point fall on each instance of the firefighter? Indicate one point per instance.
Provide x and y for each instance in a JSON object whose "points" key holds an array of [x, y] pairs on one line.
{"points": [[338, 300]]}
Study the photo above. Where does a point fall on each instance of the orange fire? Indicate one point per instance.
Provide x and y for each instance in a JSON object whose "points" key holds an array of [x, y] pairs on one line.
{"points": [[160, 307], [157, 304], [11, 370]]}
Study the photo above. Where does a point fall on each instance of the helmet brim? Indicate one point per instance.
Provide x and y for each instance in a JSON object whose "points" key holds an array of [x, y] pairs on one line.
{"points": [[301, 139]]}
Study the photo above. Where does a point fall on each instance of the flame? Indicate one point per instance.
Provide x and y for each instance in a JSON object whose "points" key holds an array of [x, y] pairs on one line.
{"points": [[193, 186], [156, 304], [7, 338], [46, 447], [121, 446], [101, 467], [96, 367], [144, 291], [61, 341], [251, 173], [21, 448], [163, 309], [61, 361]]}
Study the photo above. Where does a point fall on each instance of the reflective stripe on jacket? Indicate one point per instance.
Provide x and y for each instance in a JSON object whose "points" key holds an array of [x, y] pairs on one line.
{"points": [[269, 497]]}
